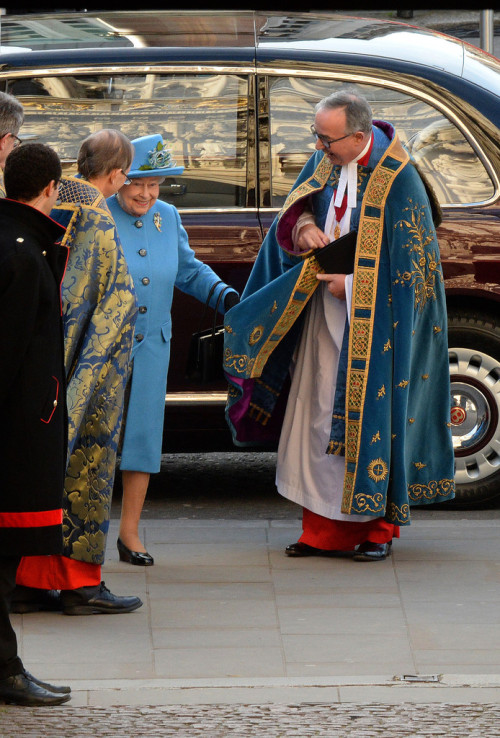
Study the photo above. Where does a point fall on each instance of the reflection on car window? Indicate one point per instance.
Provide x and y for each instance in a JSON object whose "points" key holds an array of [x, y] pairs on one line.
{"points": [[202, 116], [437, 145]]}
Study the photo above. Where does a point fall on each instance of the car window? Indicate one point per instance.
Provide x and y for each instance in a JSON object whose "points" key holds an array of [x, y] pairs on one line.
{"points": [[437, 145], [203, 117]]}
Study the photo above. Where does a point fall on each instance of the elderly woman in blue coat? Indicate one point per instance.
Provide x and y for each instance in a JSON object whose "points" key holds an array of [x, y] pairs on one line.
{"points": [[159, 257]]}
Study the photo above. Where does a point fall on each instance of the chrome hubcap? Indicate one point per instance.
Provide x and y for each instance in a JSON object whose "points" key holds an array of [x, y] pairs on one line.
{"points": [[475, 393]]}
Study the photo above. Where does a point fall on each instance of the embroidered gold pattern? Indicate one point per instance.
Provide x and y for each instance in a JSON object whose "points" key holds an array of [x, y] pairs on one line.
{"points": [[411, 420], [360, 338], [375, 438], [356, 386], [365, 288], [373, 503], [419, 464], [228, 329], [437, 329], [304, 289], [256, 335], [268, 387], [315, 182], [335, 447], [404, 383], [379, 185], [370, 234], [387, 345], [431, 490], [364, 295], [274, 307], [242, 363], [425, 376], [381, 392], [377, 470], [426, 265], [397, 514], [259, 414], [352, 440]]}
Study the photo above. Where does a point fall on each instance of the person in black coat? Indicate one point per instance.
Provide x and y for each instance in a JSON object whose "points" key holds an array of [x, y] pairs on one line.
{"points": [[33, 417]]}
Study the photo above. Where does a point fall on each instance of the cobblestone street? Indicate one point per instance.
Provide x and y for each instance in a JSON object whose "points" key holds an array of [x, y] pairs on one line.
{"points": [[256, 721]]}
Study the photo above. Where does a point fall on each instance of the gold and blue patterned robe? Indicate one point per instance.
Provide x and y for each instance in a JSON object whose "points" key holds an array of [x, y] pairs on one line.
{"points": [[99, 312], [391, 415]]}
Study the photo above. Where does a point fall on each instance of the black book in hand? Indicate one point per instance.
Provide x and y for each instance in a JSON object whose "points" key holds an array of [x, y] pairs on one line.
{"points": [[338, 257]]}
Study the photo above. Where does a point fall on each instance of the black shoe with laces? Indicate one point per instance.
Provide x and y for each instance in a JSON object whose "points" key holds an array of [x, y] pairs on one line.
{"points": [[31, 599], [46, 685], [20, 689], [96, 600]]}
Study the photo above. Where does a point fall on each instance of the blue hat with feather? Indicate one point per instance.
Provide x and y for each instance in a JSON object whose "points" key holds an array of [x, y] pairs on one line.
{"points": [[152, 158]]}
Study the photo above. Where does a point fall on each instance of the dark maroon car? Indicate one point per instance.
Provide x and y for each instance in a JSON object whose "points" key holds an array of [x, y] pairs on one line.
{"points": [[234, 96]]}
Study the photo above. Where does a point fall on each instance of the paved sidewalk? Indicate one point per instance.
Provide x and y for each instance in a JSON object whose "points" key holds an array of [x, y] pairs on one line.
{"points": [[229, 619]]}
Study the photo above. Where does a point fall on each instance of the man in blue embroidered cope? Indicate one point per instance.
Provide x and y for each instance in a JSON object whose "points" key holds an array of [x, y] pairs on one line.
{"points": [[349, 372]]}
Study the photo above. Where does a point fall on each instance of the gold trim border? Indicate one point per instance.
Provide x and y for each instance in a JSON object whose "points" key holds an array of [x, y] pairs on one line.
{"points": [[306, 284], [364, 297]]}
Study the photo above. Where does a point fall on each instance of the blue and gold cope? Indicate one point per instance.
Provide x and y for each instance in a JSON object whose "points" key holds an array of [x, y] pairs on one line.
{"points": [[391, 415], [99, 312]]}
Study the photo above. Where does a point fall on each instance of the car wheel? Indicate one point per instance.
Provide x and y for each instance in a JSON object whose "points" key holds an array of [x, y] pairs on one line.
{"points": [[474, 352]]}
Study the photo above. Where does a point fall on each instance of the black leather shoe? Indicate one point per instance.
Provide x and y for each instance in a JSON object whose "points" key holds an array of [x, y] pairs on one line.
{"points": [[46, 685], [96, 600], [30, 599], [133, 557], [21, 690], [369, 551], [303, 549]]}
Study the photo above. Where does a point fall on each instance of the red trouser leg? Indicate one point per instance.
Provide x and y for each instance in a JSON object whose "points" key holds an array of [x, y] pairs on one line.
{"points": [[57, 572], [341, 535]]}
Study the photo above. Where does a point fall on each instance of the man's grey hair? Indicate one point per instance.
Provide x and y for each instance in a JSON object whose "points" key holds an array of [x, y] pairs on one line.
{"points": [[358, 113], [11, 114], [103, 151]]}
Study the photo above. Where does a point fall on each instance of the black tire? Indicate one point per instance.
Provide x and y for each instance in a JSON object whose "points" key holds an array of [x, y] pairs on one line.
{"points": [[474, 350]]}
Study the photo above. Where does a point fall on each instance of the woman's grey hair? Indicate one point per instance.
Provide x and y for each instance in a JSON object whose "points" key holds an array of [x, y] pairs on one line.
{"points": [[103, 151], [11, 114], [358, 113]]}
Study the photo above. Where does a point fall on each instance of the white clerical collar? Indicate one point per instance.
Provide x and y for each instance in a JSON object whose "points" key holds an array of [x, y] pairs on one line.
{"points": [[349, 179]]}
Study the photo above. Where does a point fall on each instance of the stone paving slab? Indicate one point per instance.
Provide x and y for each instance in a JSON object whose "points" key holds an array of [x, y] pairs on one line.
{"points": [[228, 617], [450, 720]]}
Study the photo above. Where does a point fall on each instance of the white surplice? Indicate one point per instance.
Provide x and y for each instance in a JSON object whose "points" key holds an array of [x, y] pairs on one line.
{"points": [[306, 474]]}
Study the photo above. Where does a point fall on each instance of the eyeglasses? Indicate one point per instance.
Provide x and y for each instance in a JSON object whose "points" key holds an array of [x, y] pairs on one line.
{"points": [[327, 142], [17, 140], [127, 179]]}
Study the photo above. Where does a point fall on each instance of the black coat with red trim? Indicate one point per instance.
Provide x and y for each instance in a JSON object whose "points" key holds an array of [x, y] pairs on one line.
{"points": [[33, 416]]}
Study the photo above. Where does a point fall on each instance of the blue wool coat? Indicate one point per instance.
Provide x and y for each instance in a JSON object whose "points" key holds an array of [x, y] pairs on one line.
{"points": [[159, 257]]}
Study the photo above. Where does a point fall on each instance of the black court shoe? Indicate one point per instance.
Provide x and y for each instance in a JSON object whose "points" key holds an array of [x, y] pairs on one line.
{"points": [[133, 557]]}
